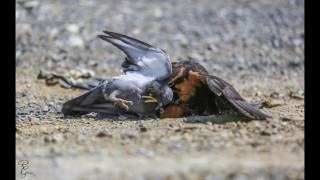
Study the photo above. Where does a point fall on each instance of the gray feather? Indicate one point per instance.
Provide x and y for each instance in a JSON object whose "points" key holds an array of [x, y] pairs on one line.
{"points": [[141, 57]]}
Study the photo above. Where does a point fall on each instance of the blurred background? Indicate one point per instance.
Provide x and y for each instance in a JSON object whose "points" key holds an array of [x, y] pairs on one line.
{"points": [[262, 38], [256, 45]]}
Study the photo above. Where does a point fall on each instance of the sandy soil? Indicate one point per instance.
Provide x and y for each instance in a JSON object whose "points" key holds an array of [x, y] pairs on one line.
{"points": [[258, 46]]}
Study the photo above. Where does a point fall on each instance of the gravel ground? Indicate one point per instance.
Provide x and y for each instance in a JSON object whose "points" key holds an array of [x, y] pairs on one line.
{"points": [[256, 45]]}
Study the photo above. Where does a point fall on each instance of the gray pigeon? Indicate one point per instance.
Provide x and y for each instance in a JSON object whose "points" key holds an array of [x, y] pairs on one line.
{"points": [[142, 89]]}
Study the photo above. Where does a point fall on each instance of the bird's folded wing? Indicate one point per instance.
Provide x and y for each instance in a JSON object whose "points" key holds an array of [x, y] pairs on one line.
{"points": [[224, 89], [91, 101], [107, 108]]}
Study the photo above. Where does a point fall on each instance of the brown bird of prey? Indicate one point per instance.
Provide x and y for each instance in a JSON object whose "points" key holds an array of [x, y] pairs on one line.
{"points": [[198, 93]]}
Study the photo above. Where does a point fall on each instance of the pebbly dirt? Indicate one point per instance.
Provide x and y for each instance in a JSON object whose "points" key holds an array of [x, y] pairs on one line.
{"points": [[256, 45]]}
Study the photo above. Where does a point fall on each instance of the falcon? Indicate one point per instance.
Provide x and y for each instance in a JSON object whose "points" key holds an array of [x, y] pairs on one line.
{"points": [[198, 93], [142, 89]]}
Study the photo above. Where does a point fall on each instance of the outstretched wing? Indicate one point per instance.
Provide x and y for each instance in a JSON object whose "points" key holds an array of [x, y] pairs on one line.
{"points": [[223, 89], [92, 101], [141, 57]]}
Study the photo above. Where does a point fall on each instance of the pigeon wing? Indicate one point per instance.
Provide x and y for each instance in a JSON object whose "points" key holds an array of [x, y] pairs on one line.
{"points": [[145, 59], [91, 101]]}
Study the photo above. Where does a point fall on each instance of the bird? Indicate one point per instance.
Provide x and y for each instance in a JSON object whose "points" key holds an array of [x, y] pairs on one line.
{"points": [[196, 92], [152, 84], [143, 88]]}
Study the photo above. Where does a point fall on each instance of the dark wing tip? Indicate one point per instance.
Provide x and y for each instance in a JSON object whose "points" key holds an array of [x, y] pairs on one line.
{"points": [[249, 110], [104, 37], [68, 109], [223, 88], [128, 39]]}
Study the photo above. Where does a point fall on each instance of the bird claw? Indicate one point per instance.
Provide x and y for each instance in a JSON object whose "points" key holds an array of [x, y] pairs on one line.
{"points": [[149, 99], [123, 104]]}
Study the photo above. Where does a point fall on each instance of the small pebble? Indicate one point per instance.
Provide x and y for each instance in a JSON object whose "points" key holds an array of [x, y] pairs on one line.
{"points": [[58, 138], [73, 28], [271, 103], [296, 95], [76, 41], [142, 128], [103, 134], [45, 109]]}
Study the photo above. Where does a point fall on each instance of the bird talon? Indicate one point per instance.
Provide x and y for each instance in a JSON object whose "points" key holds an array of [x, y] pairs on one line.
{"points": [[149, 99]]}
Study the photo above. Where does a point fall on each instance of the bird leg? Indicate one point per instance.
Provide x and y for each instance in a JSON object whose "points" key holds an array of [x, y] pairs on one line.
{"points": [[121, 103], [124, 104]]}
